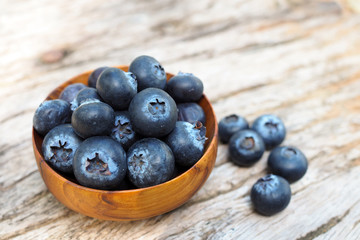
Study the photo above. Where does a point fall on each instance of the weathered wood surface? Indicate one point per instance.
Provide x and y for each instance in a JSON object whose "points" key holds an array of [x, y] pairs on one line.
{"points": [[298, 59]]}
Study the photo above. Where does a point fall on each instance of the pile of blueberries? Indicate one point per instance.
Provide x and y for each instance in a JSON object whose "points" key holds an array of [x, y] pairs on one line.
{"points": [[125, 129], [286, 164]]}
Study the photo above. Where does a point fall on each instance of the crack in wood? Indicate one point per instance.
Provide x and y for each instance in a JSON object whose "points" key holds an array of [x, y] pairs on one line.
{"points": [[325, 227], [262, 45], [356, 224]]}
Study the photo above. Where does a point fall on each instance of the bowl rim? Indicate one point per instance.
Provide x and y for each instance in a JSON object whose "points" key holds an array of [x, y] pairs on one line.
{"points": [[210, 145]]}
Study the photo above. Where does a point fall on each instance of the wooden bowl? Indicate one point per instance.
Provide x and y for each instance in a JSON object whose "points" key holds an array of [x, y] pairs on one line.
{"points": [[127, 205]]}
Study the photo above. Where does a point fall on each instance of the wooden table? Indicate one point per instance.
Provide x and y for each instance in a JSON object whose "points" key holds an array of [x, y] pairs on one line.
{"points": [[298, 59]]}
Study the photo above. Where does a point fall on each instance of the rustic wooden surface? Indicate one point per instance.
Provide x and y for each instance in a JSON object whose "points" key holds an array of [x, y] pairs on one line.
{"points": [[298, 59]]}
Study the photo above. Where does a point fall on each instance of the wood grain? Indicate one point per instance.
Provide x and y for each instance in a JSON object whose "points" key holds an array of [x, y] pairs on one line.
{"points": [[298, 59]]}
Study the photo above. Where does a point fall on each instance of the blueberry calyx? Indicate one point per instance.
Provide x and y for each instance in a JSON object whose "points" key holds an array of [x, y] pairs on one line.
{"points": [[271, 126], [138, 162], [202, 131], [124, 129], [231, 118], [248, 143], [97, 165], [156, 107], [265, 182], [289, 152], [158, 70], [60, 153]]}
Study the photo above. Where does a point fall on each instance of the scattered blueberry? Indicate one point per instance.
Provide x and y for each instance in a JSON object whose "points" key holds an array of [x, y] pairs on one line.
{"points": [[150, 162], [270, 194], [191, 112], [230, 125], [85, 95], [153, 113], [187, 142], [185, 87], [70, 92], [100, 162], [94, 76], [246, 147], [149, 73], [271, 129], [116, 87], [93, 119], [122, 131], [50, 114], [287, 162], [59, 147]]}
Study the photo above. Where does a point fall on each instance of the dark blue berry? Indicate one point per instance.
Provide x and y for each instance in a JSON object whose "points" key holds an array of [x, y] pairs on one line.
{"points": [[270, 194], [93, 119], [153, 113], [230, 125], [70, 92], [287, 162], [187, 142], [100, 162], [149, 73], [50, 114], [271, 129], [117, 87], [94, 76], [185, 87], [59, 147], [122, 131], [246, 147], [85, 95], [191, 112], [150, 162]]}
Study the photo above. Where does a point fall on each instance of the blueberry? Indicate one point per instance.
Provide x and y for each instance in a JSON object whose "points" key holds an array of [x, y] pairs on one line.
{"points": [[191, 112], [85, 95], [116, 87], [70, 92], [125, 185], [270, 194], [50, 114], [100, 162], [153, 113], [230, 125], [246, 147], [122, 130], [59, 147], [187, 142], [94, 76], [287, 162], [185, 87], [93, 119], [150, 162], [149, 73], [271, 129]]}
